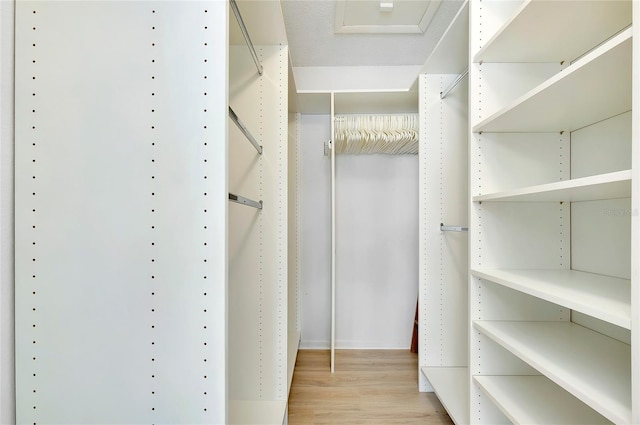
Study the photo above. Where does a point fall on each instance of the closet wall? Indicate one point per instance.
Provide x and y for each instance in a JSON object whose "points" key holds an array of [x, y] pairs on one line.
{"points": [[376, 221]]}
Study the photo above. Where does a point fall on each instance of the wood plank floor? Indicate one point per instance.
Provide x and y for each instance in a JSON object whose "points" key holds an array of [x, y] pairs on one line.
{"points": [[368, 387]]}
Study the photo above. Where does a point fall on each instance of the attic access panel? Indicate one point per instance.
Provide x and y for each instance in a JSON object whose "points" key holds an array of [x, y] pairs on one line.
{"points": [[384, 17]]}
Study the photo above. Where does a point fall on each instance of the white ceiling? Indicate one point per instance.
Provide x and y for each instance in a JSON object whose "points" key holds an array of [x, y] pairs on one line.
{"points": [[313, 41], [326, 58]]}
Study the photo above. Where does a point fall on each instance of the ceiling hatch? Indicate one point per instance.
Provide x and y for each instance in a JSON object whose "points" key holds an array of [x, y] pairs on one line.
{"points": [[384, 17]]}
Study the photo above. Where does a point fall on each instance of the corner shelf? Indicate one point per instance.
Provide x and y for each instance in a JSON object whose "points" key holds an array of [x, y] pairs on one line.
{"points": [[536, 400], [523, 39], [602, 186], [593, 367], [451, 386], [603, 297], [563, 104]]}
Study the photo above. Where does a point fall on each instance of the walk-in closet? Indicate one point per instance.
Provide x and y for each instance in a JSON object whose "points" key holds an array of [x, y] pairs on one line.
{"points": [[245, 211]]}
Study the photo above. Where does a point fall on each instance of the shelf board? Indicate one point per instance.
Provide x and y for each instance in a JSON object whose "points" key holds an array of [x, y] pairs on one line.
{"points": [[593, 367], [536, 400], [596, 87], [523, 39], [451, 385], [256, 412], [603, 297], [602, 186]]}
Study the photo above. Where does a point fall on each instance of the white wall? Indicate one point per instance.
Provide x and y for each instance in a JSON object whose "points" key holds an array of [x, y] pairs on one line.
{"points": [[315, 232], [7, 393], [377, 245]]}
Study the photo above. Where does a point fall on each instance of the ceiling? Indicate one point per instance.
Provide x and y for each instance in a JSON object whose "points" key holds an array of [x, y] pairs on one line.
{"points": [[313, 41], [350, 46]]}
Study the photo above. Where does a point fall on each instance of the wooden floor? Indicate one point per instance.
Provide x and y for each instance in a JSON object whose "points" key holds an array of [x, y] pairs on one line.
{"points": [[368, 387]]}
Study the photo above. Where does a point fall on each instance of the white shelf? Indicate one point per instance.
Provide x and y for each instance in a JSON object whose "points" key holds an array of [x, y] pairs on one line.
{"points": [[596, 87], [603, 297], [253, 412], [532, 34], [536, 400], [451, 385], [593, 367], [603, 186]]}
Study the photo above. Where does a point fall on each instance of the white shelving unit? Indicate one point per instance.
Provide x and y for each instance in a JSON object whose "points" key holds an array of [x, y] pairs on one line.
{"points": [[573, 357], [536, 400], [263, 324], [552, 181], [142, 293], [443, 293]]}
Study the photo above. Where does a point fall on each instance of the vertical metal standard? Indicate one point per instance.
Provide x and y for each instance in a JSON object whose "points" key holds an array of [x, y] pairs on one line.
{"points": [[245, 33], [333, 237]]}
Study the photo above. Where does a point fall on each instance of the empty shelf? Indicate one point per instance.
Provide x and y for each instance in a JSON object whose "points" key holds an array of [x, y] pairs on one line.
{"points": [[603, 297], [537, 400], [247, 412], [591, 366], [603, 186], [523, 39], [575, 97], [451, 385]]}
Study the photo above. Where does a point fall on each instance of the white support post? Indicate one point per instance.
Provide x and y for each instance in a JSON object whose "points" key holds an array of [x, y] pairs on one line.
{"points": [[333, 236]]}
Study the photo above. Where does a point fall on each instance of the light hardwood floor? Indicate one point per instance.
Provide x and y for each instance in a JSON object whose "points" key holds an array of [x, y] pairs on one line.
{"points": [[368, 387]]}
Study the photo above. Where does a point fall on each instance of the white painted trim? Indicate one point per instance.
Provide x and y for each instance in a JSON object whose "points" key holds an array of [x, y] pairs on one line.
{"points": [[333, 236], [313, 79]]}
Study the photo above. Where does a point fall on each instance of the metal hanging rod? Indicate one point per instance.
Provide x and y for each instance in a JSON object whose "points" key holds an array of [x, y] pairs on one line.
{"points": [[245, 201], [454, 83], [444, 228], [245, 33], [244, 130]]}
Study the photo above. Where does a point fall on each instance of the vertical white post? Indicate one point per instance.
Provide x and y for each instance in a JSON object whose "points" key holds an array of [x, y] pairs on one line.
{"points": [[635, 222], [333, 234]]}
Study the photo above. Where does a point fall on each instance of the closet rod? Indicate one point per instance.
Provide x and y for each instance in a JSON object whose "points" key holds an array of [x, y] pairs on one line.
{"points": [[454, 84], [444, 228], [244, 130], [245, 33], [245, 201]]}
